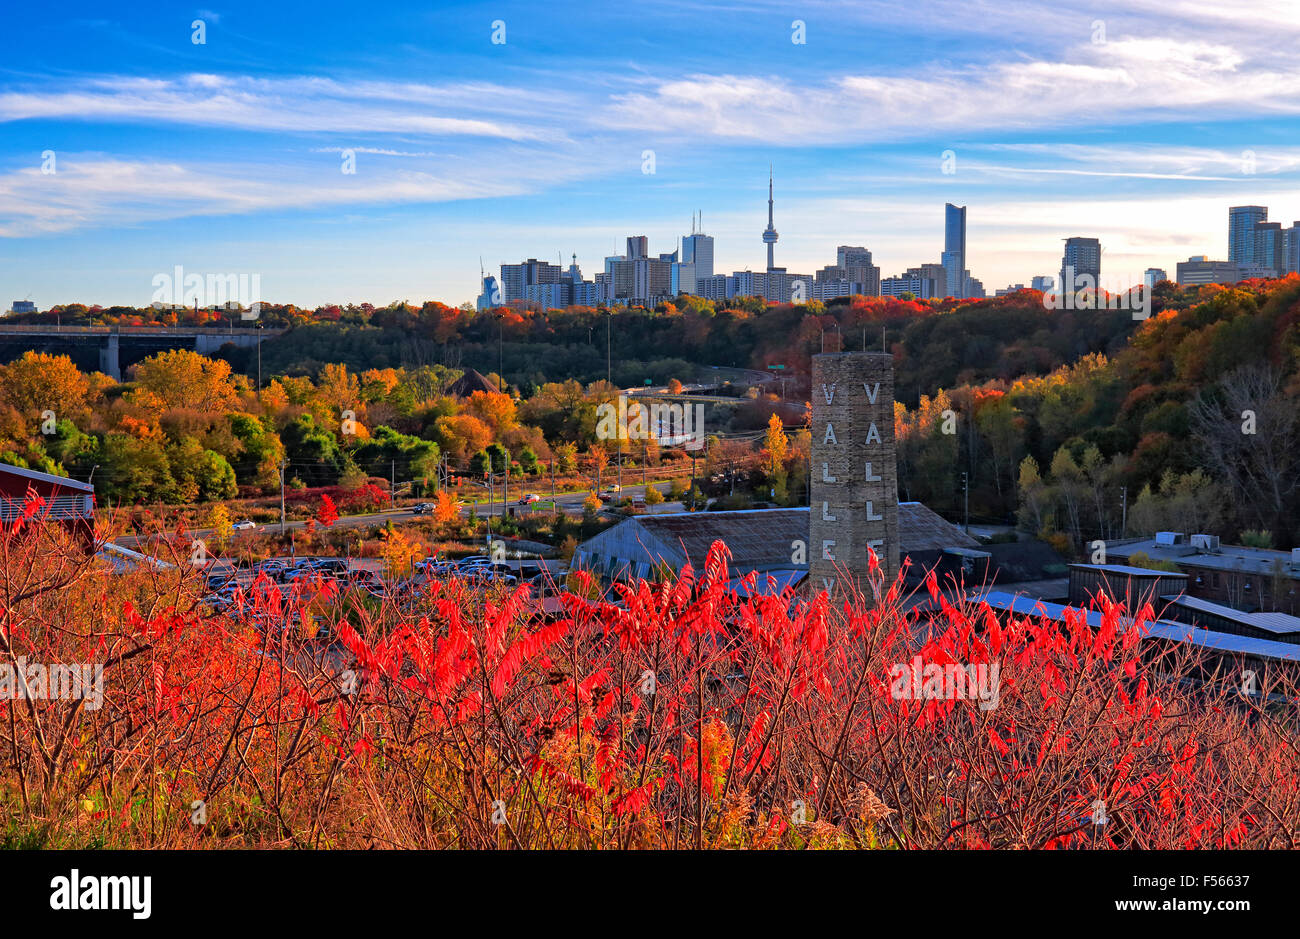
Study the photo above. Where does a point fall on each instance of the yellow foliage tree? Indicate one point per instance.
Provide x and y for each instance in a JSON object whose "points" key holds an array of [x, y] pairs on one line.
{"points": [[775, 445], [183, 379], [38, 382], [219, 522], [399, 552]]}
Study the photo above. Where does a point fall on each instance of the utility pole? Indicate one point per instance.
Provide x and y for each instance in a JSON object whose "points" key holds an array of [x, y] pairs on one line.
{"points": [[505, 483], [283, 464], [1123, 502], [553, 483], [392, 480], [692, 480], [965, 488], [259, 358], [609, 346]]}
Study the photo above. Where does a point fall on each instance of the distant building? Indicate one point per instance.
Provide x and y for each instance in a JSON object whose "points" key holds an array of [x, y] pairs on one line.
{"points": [[697, 250], [1268, 249], [1008, 290], [549, 296], [1291, 249], [1043, 282], [1199, 269], [23, 306], [1153, 276], [491, 296], [515, 277], [855, 263], [1242, 220], [1247, 579], [954, 250], [1080, 265], [910, 282]]}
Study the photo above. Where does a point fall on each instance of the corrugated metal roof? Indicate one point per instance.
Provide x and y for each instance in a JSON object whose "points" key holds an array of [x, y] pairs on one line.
{"points": [[1160, 629], [1145, 572], [48, 479], [1281, 623], [920, 529], [760, 539]]}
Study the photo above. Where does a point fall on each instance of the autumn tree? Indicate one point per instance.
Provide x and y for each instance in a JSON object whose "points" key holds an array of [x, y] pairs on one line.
{"points": [[775, 444], [183, 379], [38, 382], [445, 508], [328, 513]]}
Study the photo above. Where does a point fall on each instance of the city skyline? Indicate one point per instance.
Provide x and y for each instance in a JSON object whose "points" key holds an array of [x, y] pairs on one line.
{"points": [[1127, 125]]}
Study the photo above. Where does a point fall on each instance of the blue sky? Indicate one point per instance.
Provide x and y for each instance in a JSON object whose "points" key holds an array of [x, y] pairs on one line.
{"points": [[1136, 122]]}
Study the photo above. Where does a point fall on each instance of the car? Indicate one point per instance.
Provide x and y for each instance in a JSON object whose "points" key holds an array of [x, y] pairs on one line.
{"points": [[529, 499], [244, 525], [424, 508], [613, 487], [473, 559], [305, 575]]}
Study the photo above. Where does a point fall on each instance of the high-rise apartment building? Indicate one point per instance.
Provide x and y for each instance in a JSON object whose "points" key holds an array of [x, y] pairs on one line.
{"points": [[1268, 252], [1242, 220], [515, 277], [1291, 248], [954, 249], [857, 267], [1080, 265]]}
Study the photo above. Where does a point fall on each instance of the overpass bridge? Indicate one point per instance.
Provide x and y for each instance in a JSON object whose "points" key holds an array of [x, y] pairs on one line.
{"points": [[116, 343]]}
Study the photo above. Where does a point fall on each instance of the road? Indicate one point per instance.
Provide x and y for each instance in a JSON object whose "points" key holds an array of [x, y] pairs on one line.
{"points": [[567, 501]]}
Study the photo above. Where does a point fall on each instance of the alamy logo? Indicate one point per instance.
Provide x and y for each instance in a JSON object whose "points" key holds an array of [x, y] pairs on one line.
{"points": [[76, 892], [912, 681], [179, 289], [668, 424], [37, 682]]}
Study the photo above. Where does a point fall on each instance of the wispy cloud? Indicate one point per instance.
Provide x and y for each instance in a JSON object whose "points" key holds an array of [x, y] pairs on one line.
{"points": [[293, 105]]}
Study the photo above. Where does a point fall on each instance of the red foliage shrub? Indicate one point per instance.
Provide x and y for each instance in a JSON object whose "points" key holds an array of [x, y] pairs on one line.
{"points": [[686, 715]]}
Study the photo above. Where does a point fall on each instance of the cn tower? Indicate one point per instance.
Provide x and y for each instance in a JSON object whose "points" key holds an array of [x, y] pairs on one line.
{"points": [[769, 235]]}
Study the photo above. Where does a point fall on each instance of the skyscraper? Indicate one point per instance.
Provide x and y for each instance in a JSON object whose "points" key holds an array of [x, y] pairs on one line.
{"points": [[697, 249], [1291, 248], [516, 277], [769, 234], [954, 249], [858, 269], [1242, 220], [1268, 248], [1080, 265]]}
